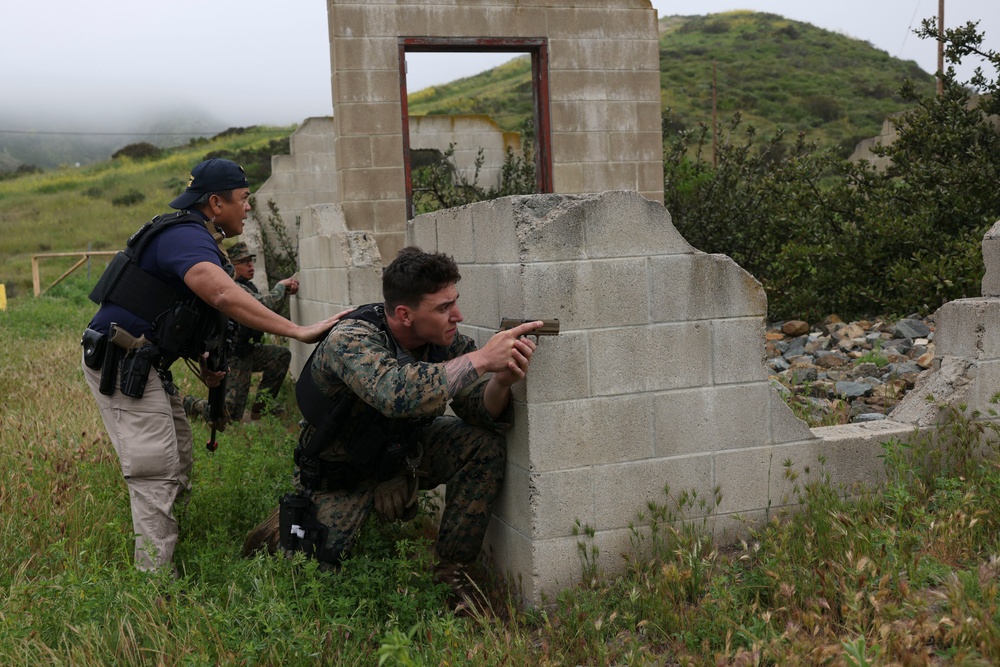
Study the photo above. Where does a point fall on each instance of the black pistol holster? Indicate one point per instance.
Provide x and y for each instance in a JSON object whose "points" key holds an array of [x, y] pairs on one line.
{"points": [[300, 530]]}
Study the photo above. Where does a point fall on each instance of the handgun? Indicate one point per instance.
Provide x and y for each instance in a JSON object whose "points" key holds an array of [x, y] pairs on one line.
{"points": [[548, 328]]}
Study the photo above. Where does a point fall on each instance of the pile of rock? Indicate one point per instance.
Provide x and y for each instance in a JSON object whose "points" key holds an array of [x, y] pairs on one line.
{"points": [[837, 372]]}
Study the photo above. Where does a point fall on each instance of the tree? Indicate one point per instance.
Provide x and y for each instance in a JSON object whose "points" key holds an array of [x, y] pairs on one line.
{"points": [[825, 235]]}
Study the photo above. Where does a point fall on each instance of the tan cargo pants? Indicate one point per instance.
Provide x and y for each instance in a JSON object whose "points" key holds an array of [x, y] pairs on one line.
{"points": [[153, 440]]}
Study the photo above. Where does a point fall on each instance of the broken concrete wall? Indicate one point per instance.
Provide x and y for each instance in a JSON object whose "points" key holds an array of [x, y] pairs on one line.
{"points": [[340, 269], [467, 134], [657, 379], [603, 92], [304, 177]]}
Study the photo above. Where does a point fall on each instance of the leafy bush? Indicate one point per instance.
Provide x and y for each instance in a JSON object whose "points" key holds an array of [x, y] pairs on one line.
{"points": [[809, 223], [130, 198], [138, 151]]}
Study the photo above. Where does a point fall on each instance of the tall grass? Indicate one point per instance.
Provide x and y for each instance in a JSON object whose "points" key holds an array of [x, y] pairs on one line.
{"points": [[904, 574]]}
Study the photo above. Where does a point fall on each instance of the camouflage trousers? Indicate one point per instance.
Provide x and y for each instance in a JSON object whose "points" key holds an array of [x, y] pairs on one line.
{"points": [[469, 460], [270, 360]]}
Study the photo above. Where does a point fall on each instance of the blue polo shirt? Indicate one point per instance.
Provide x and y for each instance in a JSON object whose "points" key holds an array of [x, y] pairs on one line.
{"points": [[168, 257]]}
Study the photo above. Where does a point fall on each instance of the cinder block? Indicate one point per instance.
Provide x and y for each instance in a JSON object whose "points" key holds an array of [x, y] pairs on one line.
{"points": [[700, 286], [569, 434], [494, 230], [455, 235], [557, 499], [479, 294], [623, 224], [611, 176], [851, 453], [359, 147], [421, 231], [588, 294], [456, 20], [649, 358], [367, 119], [785, 426], [633, 86], [511, 298], [635, 147], [623, 491], [987, 385], [577, 86], [389, 244], [754, 479], [364, 285], [363, 52], [559, 368], [517, 21], [557, 566], [707, 419], [738, 350], [582, 147], [991, 260], [390, 215], [374, 184], [346, 19], [514, 505], [567, 178], [969, 328], [387, 151]]}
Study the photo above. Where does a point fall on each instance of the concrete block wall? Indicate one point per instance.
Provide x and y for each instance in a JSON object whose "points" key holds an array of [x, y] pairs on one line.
{"points": [[603, 85], [341, 269], [657, 377], [468, 133], [656, 380], [304, 177]]}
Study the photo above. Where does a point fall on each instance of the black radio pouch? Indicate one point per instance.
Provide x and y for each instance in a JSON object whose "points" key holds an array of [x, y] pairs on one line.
{"points": [[299, 530], [135, 371], [93, 343]]}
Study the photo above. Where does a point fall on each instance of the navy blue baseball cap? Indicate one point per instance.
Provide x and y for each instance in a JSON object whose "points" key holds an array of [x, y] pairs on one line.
{"points": [[215, 175]]}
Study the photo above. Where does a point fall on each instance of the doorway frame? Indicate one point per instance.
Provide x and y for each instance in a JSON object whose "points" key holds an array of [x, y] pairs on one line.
{"points": [[538, 47]]}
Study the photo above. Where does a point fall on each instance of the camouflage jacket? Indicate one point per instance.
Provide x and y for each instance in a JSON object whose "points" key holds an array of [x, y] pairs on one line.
{"points": [[357, 356]]}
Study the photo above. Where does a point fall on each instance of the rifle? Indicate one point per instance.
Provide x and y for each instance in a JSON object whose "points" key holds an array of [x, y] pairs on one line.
{"points": [[548, 328], [218, 360]]}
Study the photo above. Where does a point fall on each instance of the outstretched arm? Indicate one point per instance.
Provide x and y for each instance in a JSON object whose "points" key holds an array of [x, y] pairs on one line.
{"points": [[218, 290]]}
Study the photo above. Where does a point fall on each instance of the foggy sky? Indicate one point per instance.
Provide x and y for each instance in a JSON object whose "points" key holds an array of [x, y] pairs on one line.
{"points": [[65, 65]]}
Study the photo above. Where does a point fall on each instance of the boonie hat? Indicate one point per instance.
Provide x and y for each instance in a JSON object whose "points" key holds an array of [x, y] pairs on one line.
{"points": [[239, 252], [215, 175]]}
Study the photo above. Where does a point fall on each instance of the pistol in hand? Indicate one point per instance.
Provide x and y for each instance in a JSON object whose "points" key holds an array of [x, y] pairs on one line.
{"points": [[548, 328]]}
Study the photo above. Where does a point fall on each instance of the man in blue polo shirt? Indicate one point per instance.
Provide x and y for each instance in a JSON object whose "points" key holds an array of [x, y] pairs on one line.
{"points": [[167, 297]]}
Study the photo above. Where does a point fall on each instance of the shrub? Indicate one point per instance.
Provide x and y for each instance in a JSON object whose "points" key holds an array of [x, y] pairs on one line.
{"points": [[130, 198], [138, 151]]}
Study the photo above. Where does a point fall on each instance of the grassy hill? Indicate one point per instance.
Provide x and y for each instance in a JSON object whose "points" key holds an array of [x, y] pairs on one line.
{"points": [[98, 206], [777, 72]]}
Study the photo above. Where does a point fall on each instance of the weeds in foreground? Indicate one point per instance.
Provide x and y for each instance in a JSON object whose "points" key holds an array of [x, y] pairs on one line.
{"points": [[907, 573]]}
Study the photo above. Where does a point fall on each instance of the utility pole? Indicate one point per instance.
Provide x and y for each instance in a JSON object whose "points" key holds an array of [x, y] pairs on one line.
{"points": [[940, 44], [715, 122]]}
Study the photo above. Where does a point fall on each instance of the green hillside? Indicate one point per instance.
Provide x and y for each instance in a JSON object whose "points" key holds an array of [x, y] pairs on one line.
{"points": [[776, 72], [99, 206]]}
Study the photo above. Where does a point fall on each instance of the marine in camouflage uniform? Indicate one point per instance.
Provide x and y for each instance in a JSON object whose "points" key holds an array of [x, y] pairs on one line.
{"points": [[250, 355], [466, 452], [400, 365]]}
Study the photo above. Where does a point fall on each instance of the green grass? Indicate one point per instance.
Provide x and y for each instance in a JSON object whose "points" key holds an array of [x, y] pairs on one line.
{"points": [[908, 572]]}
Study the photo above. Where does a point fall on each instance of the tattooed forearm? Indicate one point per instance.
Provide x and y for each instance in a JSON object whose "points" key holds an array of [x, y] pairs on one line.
{"points": [[460, 373]]}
